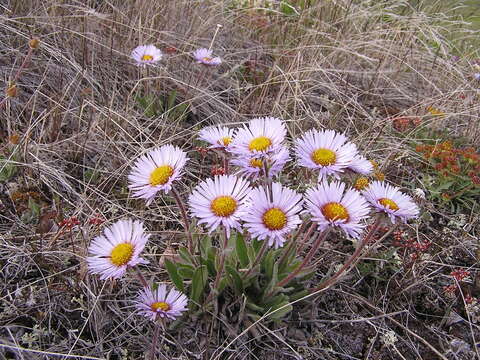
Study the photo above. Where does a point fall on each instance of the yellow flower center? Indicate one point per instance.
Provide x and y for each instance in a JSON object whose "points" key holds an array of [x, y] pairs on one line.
{"points": [[121, 254], [160, 175], [274, 219], [224, 206], [147, 57], [335, 211], [256, 163], [361, 183], [260, 143], [388, 203], [226, 140], [324, 157], [207, 59], [160, 305]]}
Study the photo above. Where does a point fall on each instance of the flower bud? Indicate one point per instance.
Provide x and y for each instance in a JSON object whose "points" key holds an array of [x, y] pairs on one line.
{"points": [[34, 43]]}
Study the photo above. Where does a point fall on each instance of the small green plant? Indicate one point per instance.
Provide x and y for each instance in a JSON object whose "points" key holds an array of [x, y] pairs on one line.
{"points": [[154, 106], [8, 168]]}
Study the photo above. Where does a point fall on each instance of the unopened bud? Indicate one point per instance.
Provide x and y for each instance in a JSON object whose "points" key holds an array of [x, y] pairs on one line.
{"points": [[34, 43]]}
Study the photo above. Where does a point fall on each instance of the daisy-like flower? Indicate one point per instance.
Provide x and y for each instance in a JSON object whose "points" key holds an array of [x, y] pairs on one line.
{"points": [[330, 205], [220, 201], [361, 165], [219, 137], [326, 150], [156, 171], [389, 199], [159, 303], [261, 137], [272, 219], [253, 167], [117, 249], [204, 56], [146, 55]]}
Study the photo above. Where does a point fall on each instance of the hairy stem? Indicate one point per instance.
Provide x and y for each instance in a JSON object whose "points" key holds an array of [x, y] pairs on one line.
{"points": [[327, 283], [181, 206]]}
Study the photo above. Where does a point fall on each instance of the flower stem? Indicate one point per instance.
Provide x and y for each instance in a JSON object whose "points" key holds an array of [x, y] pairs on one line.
{"points": [[220, 267], [306, 260], [292, 242], [326, 284], [185, 219], [141, 277], [257, 259], [156, 333]]}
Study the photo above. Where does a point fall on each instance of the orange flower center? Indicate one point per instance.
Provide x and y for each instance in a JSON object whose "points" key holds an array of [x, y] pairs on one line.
{"points": [[361, 183], [388, 203], [334, 211], [226, 140], [256, 163]]}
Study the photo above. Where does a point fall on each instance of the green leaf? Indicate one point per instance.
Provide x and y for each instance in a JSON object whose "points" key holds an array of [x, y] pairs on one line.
{"points": [[185, 255], [198, 284], [236, 279], [174, 276], [242, 252], [171, 99], [280, 310], [267, 265], [185, 271]]}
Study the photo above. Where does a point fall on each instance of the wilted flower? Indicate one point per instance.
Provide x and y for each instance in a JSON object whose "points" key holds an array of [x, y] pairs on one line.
{"points": [[389, 199], [204, 56], [159, 303], [118, 249], [146, 55], [326, 151], [273, 218], [156, 171], [330, 205], [220, 201]]}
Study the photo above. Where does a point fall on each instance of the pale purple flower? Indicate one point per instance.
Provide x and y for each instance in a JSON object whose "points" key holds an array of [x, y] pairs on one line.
{"points": [[219, 137], [361, 165], [330, 205], [204, 56], [261, 136], [156, 171], [271, 219], [389, 199], [326, 151], [159, 303], [222, 200], [146, 55], [117, 249]]}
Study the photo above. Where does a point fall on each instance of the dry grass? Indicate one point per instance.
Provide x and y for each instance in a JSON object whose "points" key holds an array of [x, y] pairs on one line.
{"points": [[347, 65]]}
